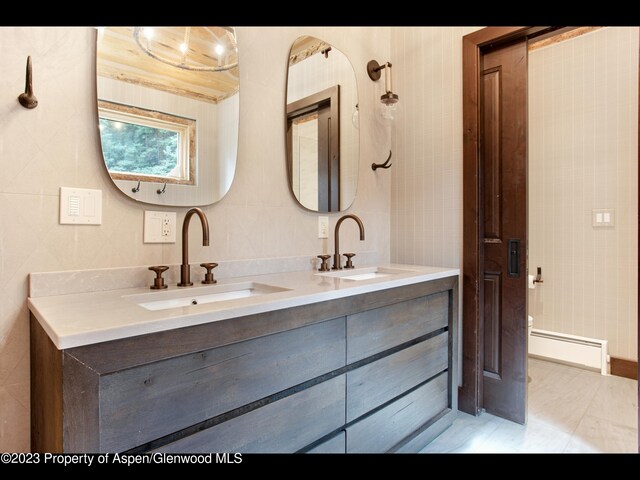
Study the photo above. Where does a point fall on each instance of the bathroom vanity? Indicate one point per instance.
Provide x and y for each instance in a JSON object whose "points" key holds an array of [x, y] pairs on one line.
{"points": [[350, 361]]}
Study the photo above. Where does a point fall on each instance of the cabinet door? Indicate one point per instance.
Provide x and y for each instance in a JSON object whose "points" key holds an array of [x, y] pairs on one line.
{"points": [[284, 426], [376, 383], [379, 329], [383, 430], [336, 444], [141, 404]]}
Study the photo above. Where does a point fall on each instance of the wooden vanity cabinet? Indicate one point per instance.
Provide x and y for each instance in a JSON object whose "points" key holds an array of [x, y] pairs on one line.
{"points": [[373, 372]]}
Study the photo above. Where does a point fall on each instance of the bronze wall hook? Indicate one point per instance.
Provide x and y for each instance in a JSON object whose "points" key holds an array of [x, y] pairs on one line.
{"points": [[385, 165], [28, 99]]}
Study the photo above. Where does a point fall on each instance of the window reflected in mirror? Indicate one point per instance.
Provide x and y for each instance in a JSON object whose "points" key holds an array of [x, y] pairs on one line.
{"points": [[138, 143], [168, 111]]}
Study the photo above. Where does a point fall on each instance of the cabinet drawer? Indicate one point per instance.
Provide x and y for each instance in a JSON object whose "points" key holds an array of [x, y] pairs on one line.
{"points": [[284, 426], [144, 403], [335, 444], [378, 382], [379, 329], [381, 431]]}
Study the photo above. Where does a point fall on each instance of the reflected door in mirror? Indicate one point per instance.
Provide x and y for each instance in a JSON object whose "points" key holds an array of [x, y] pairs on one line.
{"points": [[313, 131], [322, 131]]}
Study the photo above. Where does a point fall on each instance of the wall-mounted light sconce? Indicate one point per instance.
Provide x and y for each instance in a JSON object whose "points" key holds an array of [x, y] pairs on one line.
{"points": [[389, 99]]}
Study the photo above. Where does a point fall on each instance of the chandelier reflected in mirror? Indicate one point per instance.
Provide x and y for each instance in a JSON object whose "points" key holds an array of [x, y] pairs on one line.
{"points": [[201, 49]]}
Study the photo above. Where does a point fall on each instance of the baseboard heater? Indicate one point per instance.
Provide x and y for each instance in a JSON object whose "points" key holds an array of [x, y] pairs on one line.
{"points": [[580, 351]]}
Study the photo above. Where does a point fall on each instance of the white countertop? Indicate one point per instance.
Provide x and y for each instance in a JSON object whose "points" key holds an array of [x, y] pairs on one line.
{"points": [[79, 319]]}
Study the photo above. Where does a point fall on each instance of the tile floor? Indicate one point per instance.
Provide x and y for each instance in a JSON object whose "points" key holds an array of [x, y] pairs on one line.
{"points": [[570, 410]]}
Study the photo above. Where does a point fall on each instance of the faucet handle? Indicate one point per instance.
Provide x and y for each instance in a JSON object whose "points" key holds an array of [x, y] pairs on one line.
{"points": [[325, 263], [208, 277], [158, 282], [349, 262]]}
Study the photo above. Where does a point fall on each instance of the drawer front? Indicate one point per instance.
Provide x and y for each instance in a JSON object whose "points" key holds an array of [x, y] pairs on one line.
{"points": [[284, 426], [378, 382], [141, 404], [377, 330], [335, 444], [381, 431]]}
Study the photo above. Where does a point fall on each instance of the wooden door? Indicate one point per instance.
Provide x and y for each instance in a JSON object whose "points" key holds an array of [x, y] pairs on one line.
{"points": [[503, 201]]}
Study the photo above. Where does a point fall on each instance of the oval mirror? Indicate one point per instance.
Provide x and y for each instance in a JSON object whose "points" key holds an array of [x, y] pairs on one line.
{"points": [[322, 126], [168, 108]]}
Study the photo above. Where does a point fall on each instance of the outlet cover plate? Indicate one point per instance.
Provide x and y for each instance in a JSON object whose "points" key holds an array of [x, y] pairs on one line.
{"points": [[80, 206], [323, 227], [159, 227]]}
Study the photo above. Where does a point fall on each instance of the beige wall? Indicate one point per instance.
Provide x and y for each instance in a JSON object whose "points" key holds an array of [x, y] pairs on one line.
{"points": [[426, 180], [56, 145], [590, 275], [583, 155]]}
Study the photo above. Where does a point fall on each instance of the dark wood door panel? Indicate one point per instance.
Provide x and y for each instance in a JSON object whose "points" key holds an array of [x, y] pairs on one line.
{"points": [[491, 154], [492, 325], [503, 170]]}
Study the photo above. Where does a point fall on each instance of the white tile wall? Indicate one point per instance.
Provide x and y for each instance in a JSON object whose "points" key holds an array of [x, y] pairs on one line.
{"points": [[583, 155], [56, 144]]}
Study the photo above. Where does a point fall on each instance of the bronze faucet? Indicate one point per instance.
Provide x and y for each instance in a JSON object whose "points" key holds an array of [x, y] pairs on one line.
{"points": [[336, 257], [185, 270]]}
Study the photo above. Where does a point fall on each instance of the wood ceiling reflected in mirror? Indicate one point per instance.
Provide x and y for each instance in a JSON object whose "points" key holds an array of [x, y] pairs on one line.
{"points": [[322, 126], [168, 107]]}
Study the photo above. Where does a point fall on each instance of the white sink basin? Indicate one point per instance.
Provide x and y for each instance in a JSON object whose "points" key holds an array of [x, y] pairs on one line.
{"points": [[201, 295], [367, 273]]}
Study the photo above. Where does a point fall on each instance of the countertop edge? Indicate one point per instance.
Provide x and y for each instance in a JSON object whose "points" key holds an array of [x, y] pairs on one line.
{"points": [[69, 340]]}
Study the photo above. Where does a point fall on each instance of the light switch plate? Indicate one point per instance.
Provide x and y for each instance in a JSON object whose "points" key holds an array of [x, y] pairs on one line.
{"points": [[323, 227], [159, 227], [80, 206], [603, 217]]}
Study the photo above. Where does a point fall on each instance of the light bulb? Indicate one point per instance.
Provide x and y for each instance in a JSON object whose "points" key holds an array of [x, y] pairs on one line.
{"points": [[219, 49], [147, 32], [117, 125], [183, 47]]}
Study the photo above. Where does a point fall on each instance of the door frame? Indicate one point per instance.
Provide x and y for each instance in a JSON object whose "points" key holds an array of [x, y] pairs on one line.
{"points": [[470, 393]]}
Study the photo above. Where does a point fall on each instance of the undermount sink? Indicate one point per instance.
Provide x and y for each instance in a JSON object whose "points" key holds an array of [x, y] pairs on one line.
{"points": [[202, 295], [368, 273]]}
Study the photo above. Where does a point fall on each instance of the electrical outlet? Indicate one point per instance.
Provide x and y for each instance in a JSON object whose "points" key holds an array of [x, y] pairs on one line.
{"points": [[323, 227], [159, 227]]}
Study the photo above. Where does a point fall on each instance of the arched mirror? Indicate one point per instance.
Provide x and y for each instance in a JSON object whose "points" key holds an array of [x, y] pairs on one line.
{"points": [[322, 126], [168, 108]]}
